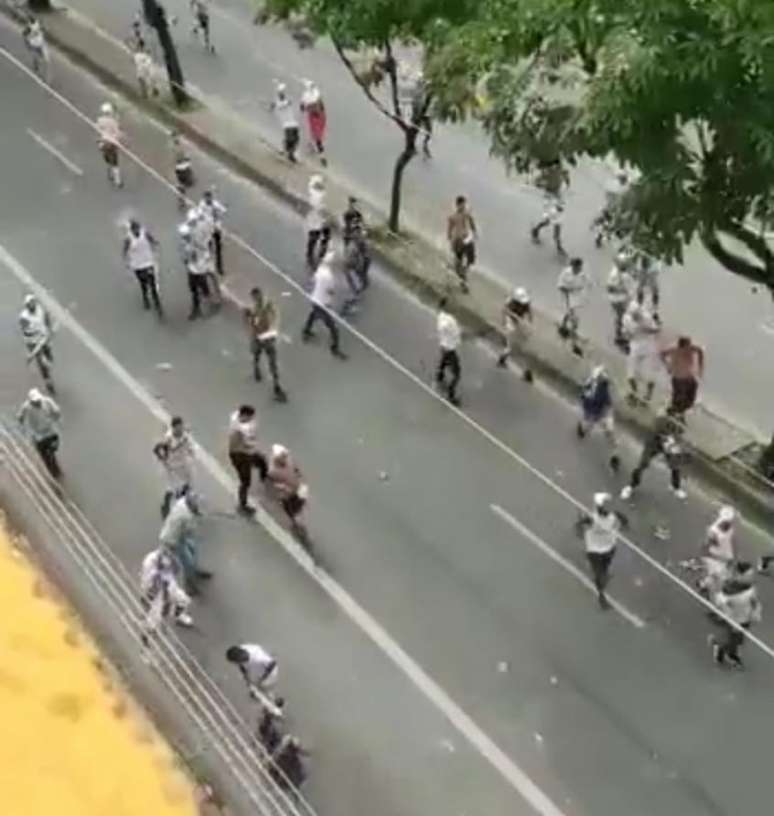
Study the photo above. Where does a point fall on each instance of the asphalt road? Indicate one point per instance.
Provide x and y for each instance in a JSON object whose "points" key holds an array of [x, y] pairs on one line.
{"points": [[721, 311], [606, 713]]}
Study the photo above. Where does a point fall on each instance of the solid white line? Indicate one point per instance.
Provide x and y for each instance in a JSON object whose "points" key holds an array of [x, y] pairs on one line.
{"points": [[71, 166], [564, 563], [436, 695], [420, 383]]}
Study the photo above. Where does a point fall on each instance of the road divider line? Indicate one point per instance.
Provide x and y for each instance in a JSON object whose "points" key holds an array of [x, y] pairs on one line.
{"points": [[540, 803], [473, 424], [564, 563], [57, 154]]}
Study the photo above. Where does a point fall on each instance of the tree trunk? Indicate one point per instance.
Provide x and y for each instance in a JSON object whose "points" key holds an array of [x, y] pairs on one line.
{"points": [[408, 153], [156, 17], [40, 5]]}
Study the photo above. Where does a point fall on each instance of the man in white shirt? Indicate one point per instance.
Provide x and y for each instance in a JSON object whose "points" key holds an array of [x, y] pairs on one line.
{"points": [[145, 72], [286, 115], [262, 320], [109, 140], [39, 417], [449, 339], [139, 252], [37, 328], [641, 330], [620, 287], [175, 452], [35, 40], [161, 593], [600, 531], [215, 210], [256, 665], [324, 289], [318, 231], [573, 286], [201, 11]]}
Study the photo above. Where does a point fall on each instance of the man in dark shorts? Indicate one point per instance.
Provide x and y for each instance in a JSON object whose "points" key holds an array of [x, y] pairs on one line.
{"points": [[461, 232]]}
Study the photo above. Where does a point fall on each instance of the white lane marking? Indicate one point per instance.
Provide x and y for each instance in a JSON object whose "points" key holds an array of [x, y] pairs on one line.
{"points": [[564, 563], [71, 166], [466, 726], [398, 366]]}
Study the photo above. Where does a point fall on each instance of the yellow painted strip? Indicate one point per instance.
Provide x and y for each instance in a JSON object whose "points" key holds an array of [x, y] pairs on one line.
{"points": [[73, 743]]}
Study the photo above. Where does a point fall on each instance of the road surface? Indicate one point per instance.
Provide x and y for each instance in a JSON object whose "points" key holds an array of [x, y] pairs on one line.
{"points": [[472, 672], [721, 311]]}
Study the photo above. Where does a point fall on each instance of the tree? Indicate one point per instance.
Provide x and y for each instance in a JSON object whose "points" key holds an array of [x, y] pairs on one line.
{"points": [[374, 29], [677, 90], [156, 17], [39, 5]]}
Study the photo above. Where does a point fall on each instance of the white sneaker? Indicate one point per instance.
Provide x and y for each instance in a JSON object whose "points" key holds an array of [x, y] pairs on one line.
{"points": [[184, 619], [680, 494], [626, 493]]}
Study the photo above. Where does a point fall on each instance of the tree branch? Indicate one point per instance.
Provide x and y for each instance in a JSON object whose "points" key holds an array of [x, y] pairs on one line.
{"points": [[392, 72], [366, 90], [735, 263], [753, 241]]}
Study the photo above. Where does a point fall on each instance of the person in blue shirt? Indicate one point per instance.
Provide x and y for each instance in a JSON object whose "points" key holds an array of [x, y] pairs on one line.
{"points": [[597, 409]]}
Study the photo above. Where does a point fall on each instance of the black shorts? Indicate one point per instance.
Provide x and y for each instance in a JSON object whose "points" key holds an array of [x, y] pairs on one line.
{"points": [[203, 18], [293, 505], [465, 251], [184, 177], [110, 154]]}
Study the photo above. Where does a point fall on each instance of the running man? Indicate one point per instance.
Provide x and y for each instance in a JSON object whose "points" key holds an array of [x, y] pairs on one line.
{"points": [[35, 40], [175, 452], [517, 323], [597, 410], [282, 107], [262, 319], [109, 141], [462, 233], [214, 210], [37, 329], [139, 253], [201, 12], [39, 418], [449, 340], [184, 175], [600, 531]]}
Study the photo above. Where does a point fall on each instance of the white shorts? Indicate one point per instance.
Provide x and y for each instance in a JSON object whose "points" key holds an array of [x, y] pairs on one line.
{"points": [[641, 364]]}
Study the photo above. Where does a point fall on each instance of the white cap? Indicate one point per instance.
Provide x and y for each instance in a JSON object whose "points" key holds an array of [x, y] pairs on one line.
{"points": [[316, 180], [30, 300], [192, 214], [279, 450], [601, 499], [34, 395], [106, 108], [598, 371], [281, 87], [521, 295], [726, 514], [184, 230]]}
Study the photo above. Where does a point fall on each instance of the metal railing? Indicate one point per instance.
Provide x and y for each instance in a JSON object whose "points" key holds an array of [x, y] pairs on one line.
{"points": [[180, 674]]}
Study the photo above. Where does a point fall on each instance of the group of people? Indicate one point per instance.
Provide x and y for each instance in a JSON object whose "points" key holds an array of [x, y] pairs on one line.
{"points": [[312, 107]]}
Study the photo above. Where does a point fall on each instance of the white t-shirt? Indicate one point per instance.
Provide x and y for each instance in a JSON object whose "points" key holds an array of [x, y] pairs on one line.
{"points": [[34, 326], [258, 661], [574, 285], [315, 219], [449, 335], [248, 430], [140, 251], [324, 288], [108, 129], [285, 113], [642, 333], [602, 534], [143, 65]]}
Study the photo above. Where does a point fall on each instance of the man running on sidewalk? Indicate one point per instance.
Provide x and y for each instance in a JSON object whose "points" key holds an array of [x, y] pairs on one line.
{"points": [[263, 322], [461, 233], [685, 363], [244, 454], [109, 140], [37, 329], [139, 253], [449, 339], [324, 289], [39, 418], [517, 323]]}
